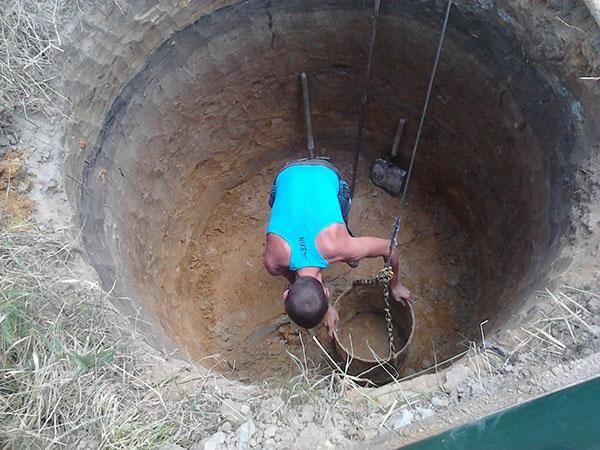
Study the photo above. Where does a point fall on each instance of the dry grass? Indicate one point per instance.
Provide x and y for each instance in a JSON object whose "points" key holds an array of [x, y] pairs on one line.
{"points": [[322, 389], [70, 373], [336, 390], [559, 328], [29, 44]]}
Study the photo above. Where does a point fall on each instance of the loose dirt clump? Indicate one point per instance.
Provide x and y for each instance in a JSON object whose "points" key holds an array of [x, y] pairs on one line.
{"points": [[15, 206]]}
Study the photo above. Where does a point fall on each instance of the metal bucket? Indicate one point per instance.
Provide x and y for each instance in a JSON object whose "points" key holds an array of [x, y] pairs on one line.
{"points": [[363, 306]]}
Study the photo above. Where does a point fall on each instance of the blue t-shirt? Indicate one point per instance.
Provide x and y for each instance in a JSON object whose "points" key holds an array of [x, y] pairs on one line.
{"points": [[306, 202]]}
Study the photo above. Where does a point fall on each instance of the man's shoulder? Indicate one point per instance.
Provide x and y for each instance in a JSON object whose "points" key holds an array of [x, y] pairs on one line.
{"points": [[277, 250], [333, 240]]}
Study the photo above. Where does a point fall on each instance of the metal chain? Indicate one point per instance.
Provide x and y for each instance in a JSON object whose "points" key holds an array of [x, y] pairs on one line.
{"points": [[383, 278], [386, 274]]}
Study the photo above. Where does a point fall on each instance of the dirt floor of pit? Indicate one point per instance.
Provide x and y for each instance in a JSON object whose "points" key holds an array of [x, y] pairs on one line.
{"points": [[238, 308], [366, 336]]}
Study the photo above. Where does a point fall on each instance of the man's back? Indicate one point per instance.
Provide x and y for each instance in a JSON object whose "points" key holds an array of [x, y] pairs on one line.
{"points": [[309, 203], [306, 202]]}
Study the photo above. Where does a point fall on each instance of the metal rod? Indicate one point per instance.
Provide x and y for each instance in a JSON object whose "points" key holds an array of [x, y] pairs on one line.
{"points": [[399, 131], [419, 131], [310, 141], [365, 96]]}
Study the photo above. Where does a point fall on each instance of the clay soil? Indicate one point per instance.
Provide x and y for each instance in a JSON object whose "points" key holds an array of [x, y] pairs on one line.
{"points": [[15, 206], [240, 310], [366, 335]]}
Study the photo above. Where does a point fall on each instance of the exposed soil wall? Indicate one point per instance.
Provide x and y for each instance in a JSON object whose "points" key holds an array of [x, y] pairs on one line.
{"points": [[184, 114]]}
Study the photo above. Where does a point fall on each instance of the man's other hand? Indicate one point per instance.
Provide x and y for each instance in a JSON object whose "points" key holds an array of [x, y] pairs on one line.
{"points": [[331, 320], [400, 292]]}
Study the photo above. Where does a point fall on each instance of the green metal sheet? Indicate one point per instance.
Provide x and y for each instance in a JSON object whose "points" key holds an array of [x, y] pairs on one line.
{"points": [[568, 419]]}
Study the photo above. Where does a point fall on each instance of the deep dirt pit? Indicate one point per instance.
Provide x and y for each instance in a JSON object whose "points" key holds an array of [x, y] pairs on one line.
{"points": [[240, 308], [173, 196]]}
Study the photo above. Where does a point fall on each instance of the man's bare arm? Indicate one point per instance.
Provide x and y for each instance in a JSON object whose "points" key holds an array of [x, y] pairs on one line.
{"points": [[357, 248], [276, 270]]}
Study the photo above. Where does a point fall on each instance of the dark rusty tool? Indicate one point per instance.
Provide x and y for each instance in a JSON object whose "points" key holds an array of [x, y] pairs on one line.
{"points": [[310, 140], [365, 97], [386, 173]]}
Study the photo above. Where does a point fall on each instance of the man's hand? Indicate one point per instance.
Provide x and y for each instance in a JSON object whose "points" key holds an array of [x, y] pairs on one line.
{"points": [[399, 291], [331, 320]]}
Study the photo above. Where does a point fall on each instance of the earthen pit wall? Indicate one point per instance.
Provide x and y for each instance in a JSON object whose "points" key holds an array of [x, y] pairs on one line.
{"points": [[105, 57]]}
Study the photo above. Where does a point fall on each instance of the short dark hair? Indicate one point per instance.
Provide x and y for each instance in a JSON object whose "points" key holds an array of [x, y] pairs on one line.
{"points": [[306, 302]]}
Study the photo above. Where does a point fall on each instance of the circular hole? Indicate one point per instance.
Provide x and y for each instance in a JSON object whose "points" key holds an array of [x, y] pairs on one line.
{"points": [[173, 202], [363, 341]]}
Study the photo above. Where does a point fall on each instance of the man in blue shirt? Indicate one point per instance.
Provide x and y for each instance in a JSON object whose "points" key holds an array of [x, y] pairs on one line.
{"points": [[307, 232]]}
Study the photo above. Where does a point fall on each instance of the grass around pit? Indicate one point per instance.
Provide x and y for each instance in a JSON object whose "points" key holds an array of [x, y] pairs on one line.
{"points": [[70, 374]]}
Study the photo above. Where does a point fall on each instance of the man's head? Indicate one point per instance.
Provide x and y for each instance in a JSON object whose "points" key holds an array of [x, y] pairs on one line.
{"points": [[306, 302]]}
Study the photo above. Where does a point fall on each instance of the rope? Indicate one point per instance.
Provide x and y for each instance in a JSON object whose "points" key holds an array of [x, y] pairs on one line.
{"points": [[365, 96], [438, 53], [386, 274]]}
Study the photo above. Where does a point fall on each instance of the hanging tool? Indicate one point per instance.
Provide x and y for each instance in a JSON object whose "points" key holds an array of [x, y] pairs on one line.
{"points": [[387, 174], [438, 54], [385, 275], [365, 96], [310, 141]]}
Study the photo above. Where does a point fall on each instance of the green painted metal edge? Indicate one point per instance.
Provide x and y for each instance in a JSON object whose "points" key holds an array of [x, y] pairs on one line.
{"points": [[568, 419]]}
